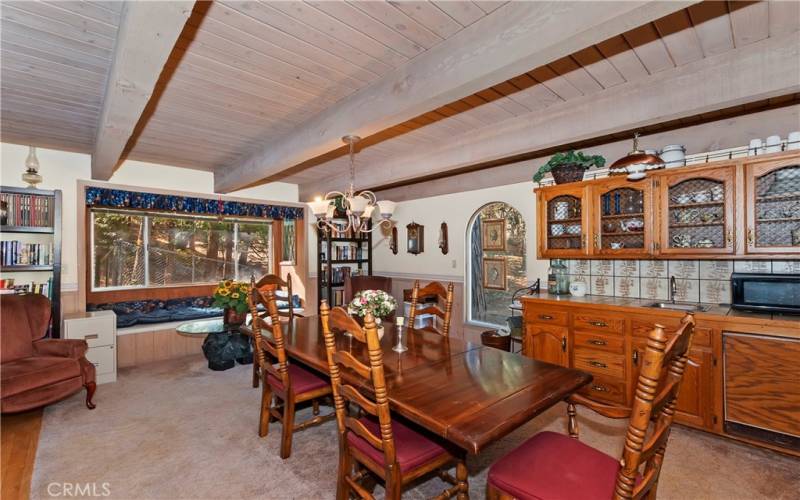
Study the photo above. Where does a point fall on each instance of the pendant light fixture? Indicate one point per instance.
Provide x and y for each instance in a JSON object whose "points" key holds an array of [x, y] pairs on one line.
{"points": [[358, 207], [636, 163]]}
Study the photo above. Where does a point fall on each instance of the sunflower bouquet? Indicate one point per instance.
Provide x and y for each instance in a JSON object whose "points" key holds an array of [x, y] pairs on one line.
{"points": [[232, 295]]}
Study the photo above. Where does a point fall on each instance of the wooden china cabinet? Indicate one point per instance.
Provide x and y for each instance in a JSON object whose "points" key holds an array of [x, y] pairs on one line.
{"points": [[743, 208], [772, 193], [697, 207], [564, 228], [622, 217]]}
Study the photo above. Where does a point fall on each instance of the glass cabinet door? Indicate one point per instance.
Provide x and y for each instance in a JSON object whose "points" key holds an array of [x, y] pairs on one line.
{"points": [[773, 206], [699, 208], [562, 232], [622, 218]]}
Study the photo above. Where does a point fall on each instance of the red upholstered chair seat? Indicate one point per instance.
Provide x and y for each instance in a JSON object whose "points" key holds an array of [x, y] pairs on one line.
{"points": [[552, 466], [302, 380], [25, 374], [413, 449]]}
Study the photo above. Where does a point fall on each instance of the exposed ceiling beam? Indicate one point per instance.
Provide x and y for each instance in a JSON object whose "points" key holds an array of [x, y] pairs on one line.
{"points": [[761, 70], [146, 36], [728, 132], [514, 39]]}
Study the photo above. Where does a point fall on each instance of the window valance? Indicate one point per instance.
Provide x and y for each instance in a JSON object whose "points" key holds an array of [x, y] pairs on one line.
{"points": [[118, 198]]}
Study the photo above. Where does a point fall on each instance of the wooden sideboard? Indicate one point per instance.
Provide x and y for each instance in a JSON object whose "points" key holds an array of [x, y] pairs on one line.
{"points": [[742, 379], [745, 208]]}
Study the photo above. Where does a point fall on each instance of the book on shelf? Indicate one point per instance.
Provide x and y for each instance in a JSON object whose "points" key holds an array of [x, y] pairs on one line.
{"points": [[31, 210], [45, 288], [18, 253]]}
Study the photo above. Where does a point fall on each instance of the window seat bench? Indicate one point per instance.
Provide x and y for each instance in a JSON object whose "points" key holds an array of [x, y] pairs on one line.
{"points": [[149, 314]]}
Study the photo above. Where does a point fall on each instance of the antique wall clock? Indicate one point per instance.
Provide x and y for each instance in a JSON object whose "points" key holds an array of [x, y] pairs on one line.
{"points": [[416, 238]]}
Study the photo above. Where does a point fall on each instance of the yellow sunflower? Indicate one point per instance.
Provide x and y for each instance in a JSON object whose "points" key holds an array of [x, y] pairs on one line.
{"points": [[227, 283], [224, 292], [235, 295]]}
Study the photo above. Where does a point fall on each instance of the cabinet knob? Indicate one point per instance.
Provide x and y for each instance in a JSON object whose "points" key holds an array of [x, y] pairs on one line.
{"points": [[729, 237], [750, 236], [598, 342], [599, 323], [598, 364], [564, 344], [545, 316], [597, 241], [91, 337], [599, 388], [635, 358]]}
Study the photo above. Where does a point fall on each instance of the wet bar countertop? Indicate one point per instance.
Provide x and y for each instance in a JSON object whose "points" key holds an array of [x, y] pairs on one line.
{"points": [[784, 325]]}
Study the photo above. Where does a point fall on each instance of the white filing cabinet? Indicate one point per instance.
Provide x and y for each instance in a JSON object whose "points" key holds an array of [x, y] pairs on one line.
{"points": [[99, 329]]}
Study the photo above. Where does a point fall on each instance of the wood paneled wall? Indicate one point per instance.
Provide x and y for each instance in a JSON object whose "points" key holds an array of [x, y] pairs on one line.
{"points": [[156, 345]]}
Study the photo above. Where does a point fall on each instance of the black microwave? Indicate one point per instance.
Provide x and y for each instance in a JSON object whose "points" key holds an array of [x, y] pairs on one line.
{"points": [[778, 293]]}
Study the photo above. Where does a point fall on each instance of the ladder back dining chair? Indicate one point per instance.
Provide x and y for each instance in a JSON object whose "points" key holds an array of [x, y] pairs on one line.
{"points": [[274, 282], [289, 383], [555, 466], [377, 442], [442, 294]]}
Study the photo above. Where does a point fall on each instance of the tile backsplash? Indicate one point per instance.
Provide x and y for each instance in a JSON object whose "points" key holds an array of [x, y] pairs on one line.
{"points": [[697, 280]]}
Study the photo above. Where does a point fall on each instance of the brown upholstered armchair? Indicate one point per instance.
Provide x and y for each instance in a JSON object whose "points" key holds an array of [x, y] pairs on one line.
{"points": [[35, 371]]}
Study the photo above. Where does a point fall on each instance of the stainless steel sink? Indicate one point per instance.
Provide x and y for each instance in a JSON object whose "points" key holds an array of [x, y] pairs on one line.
{"points": [[680, 307]]}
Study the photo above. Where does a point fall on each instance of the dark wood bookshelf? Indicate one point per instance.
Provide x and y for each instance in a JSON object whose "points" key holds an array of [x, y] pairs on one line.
{"points": [[326, 242], [56, 232], [25, 267], [28, 229]]}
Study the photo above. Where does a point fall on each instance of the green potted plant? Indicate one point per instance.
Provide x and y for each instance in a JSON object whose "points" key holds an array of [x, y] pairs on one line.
{"points": [[568, 167]]}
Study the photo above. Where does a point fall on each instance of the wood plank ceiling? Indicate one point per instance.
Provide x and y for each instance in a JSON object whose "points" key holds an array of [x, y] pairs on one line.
{"points": [[243, 72], [246, 71], [55, 61], [700, 31]]}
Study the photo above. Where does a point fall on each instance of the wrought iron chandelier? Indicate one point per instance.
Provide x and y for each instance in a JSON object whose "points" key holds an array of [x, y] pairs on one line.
{"points": [[358, 207]]}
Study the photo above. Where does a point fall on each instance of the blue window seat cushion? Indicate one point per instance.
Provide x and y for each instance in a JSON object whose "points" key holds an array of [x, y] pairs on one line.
{"points": [[153, 311]]}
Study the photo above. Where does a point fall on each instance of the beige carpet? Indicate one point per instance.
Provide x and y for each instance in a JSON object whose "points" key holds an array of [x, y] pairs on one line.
{"points": [[177, 430]]}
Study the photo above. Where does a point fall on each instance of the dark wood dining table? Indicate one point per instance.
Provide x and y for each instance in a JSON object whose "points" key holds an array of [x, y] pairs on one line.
{"points": [[469, 394]]}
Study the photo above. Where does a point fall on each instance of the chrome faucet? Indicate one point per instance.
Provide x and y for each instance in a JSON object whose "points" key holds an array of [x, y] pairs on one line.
{"points": [[673, 288]]}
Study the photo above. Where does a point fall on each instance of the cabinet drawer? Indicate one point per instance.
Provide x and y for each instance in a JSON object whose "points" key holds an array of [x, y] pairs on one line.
{"points": [[641, 328], [605, 389], [600, 362], [103, 358], [93, 337], [96, 331], [598, 321], [542, 315], [598, 341]]}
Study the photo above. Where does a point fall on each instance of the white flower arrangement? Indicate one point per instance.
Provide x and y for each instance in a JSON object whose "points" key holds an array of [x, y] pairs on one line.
{"points": [[378, 302]]}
